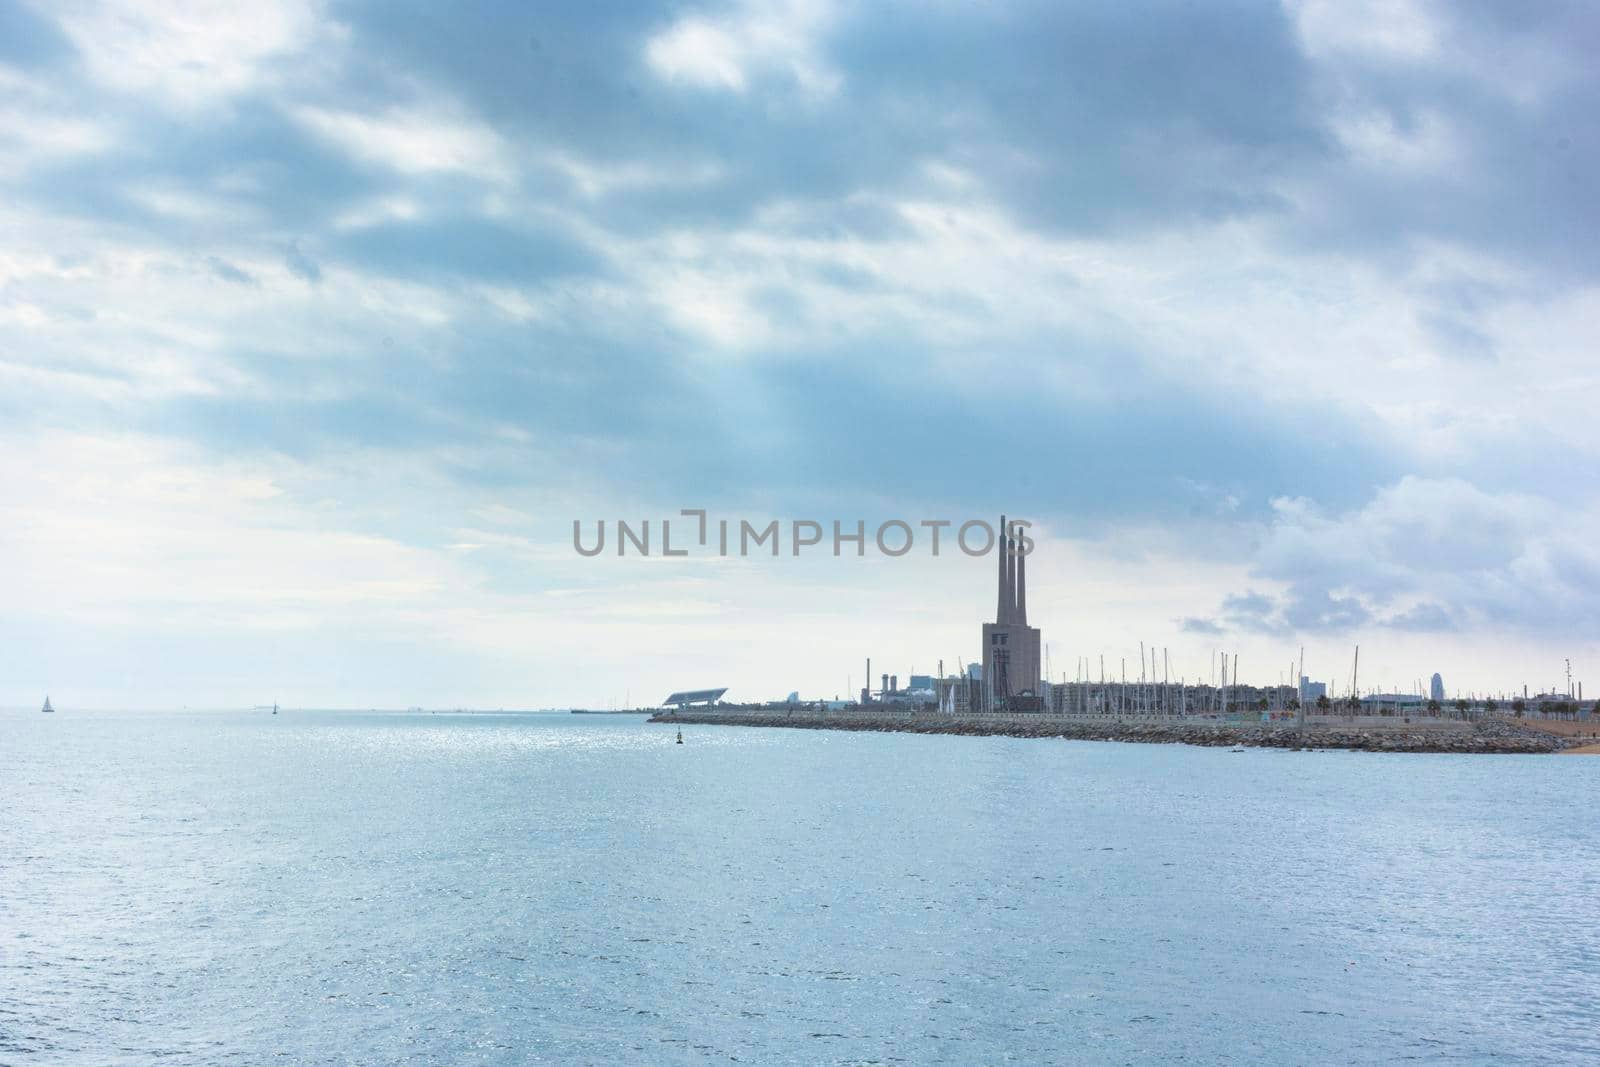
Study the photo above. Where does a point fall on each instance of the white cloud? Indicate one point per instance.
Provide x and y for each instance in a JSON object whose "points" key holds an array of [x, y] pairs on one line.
{"points": [[1375, 141], [700, 53], [1431, 553], [189, 204], [594, 179], [376, 211], [414, 140], [1350, 38], [1407, 30], [730, 53], [37, 126], [189, 51]]}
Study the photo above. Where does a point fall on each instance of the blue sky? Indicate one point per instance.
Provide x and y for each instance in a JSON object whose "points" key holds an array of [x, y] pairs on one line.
{"points": [[320, 323]]}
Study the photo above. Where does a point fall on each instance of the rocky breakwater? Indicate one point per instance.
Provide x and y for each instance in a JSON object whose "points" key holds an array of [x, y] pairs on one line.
{"points": [[1490, 737]]}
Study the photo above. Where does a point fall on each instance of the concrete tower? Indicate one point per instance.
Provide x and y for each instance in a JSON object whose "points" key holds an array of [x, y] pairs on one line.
{"points": [[1002, 611], [1022, 590], [1010, 645]]}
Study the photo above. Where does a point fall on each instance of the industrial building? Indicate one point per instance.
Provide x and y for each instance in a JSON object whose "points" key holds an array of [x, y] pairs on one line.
{"points": [[694, 696], [1011, 667], [1010, 679]]}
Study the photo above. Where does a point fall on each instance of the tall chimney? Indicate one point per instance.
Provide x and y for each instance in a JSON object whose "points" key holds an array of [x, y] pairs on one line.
{"points": [[1010, 578], [1000, 611], [1022, 589]]}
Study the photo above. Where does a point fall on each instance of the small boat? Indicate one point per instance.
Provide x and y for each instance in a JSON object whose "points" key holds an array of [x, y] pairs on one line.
{"points": [[680, 735], [274, 707], [47, 708]]}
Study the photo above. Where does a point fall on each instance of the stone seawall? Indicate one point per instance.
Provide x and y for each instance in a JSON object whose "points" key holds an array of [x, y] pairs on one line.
{"points": [[1493, 736]]}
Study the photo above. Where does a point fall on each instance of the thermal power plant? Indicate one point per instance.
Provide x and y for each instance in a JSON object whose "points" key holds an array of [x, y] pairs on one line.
{"points": [[1010, 645], [1010, 682]]}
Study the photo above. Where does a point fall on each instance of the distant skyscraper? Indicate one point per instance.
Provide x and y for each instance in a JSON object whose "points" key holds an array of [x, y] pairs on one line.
{"points": [[1436, 688], [1010, 645]]}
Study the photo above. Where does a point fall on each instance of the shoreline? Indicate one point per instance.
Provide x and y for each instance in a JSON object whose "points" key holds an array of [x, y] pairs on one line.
{"points": [[1490, 737]]}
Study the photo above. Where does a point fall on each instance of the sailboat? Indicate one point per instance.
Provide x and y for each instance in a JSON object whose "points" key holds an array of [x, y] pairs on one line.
{"points": [[47, 708], [274, 707]]}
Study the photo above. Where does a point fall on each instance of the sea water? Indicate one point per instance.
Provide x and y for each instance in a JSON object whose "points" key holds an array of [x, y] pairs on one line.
{"points": [[326, 887]]}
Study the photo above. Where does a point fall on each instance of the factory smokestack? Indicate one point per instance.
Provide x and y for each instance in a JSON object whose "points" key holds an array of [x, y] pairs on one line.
{"points": [[1022, 590], [1001, 610]]}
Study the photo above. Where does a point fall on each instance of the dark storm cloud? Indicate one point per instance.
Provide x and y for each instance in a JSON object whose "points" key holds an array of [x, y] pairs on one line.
{"points": [[1073, 115], [1086, 118], [1077, 118]]}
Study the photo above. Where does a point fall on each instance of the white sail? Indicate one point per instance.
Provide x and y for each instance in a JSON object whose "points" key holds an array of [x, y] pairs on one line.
{"points": [[47, 706]]}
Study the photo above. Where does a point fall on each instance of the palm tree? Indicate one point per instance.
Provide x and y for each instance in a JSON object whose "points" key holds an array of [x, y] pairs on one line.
{"points": [[1490, 706], [1323, 703], [1433, 707], [1519, 706], [1462, 706]]}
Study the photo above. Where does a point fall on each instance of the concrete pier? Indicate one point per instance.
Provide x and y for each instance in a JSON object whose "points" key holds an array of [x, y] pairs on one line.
{"points": [[1361, 733]]}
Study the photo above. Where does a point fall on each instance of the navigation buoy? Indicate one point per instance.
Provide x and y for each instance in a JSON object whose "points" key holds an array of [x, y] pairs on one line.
{"points": [[680, 735]]}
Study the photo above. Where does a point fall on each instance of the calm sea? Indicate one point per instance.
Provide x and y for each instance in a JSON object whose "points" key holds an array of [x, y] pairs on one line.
{"points": [[207, 888]]}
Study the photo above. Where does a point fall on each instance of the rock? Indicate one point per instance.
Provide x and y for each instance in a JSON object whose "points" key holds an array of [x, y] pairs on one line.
{"points": [[1496, 736]]}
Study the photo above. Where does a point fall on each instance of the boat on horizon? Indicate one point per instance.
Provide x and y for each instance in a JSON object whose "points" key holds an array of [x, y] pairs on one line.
{"points": [[47, 708]]}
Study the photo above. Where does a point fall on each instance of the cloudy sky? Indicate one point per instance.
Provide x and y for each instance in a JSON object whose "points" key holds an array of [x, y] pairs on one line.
{"points": [[321, 323]]}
